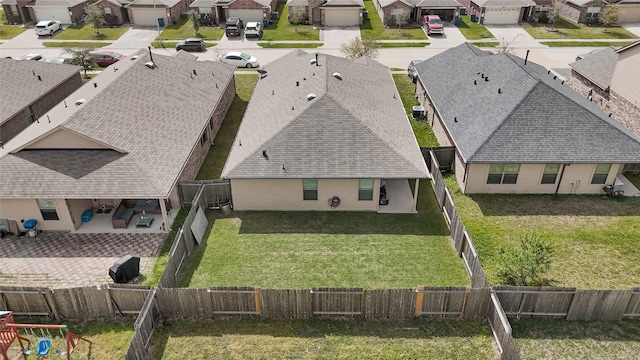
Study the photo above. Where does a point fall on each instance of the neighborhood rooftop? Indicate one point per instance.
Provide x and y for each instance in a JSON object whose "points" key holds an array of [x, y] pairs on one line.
{"points": [[598, 67]]}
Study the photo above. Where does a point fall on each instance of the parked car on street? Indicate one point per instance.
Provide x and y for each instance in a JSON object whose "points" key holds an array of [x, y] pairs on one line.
{"points": [[582, 56], [32, 56], [253, 29], [192, 44], [48, 27], [239, 59], [61, 60], [106, 58], [433, 24]]}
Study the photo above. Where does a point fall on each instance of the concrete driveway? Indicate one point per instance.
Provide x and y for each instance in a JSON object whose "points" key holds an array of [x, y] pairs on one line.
{"points": [[135, 38], [515, 35], [634, 28], [334, 37], [452, 37]]}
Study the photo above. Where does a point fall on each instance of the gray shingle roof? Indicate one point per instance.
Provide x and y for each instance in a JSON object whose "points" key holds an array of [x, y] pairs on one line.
{"points": [[438, 3], [353, 128], [14, 99], [153, 118], [487, 3], [342, 3], [598, 67], [55, 3], [535, 119], [152, 3]]}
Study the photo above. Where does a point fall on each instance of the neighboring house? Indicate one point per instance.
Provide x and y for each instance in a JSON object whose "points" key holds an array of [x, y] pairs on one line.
{"points": [[310, 138], [611, 79], [501, 12], [15, 11], [517, 128], [247, 10], [410, 11], [65, 11], [629, 11], [149, 12], [30, 89], [114, 11], [582, 11], [333, 12], [301, 6], [129, 135]]}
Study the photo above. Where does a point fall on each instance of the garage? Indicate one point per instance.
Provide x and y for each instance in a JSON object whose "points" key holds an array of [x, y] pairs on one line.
{"points": [[341, 16], [501, 15], [629, 13], [52, 13], [147, 16], [247, 15]]}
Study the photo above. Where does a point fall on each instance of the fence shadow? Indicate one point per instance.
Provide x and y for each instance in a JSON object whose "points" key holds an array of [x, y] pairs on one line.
{"points": [[560, 329], [189, 267]]}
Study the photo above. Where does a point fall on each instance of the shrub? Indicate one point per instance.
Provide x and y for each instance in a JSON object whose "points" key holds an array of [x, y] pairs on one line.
{"points": [[525, 266]]}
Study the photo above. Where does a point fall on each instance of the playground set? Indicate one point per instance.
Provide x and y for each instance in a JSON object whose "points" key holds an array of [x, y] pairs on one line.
{"points": [[10, 331]]}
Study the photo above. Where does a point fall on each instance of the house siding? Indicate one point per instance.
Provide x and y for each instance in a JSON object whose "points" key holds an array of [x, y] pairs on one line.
{"points": [[24, 209], [76, 208], [116, 12], [433, 117], [578, 13], [63, 139], [626, 112], [77, 12], [388, 20], [286, 195]]}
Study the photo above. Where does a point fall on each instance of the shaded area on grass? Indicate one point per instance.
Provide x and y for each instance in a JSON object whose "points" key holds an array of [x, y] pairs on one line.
{"points": [[75, 44], [373, 28], [270, 45], [635, 180], [324, 339], [85, 31], [163, 256], [565, 29], [422, 130], [542, 338], [283, 30], [616, 44], [8, 32], [184, 30], [473, 30]]}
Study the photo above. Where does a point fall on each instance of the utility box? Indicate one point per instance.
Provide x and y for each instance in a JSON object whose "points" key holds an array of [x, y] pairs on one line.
{"points": [[418, 112]]}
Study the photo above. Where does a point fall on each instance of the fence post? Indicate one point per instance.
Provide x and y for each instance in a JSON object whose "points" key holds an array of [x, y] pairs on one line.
{"points": [[257, 298], [419, 300]]}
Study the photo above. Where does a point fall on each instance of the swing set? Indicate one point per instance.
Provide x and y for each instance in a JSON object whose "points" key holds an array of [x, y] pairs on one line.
{"points": [[10, 331]]}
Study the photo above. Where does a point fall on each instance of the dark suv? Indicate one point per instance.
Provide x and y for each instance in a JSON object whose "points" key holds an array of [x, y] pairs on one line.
{"points": [[194, 44], [233, 26]]}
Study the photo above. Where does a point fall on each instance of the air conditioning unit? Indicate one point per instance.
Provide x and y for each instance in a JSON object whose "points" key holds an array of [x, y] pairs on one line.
{"points": [[418, 112]]}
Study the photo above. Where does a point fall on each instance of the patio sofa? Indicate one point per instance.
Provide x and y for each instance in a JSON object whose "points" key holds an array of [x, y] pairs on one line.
{"points": [[122, 217], [129, 207]]}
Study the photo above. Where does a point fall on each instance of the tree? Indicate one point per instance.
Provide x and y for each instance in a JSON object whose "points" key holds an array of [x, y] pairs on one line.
{"points": [[555, 12], [297, 16], [609, 16], [194, 16], [94, 16], [82, 57], [398, 19], [506, 46], [360, 47], [525, 266]]}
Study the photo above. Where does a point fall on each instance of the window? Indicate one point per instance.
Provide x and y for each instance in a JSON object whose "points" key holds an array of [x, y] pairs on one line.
{"points": [[550, 173], [365, 189], [107, 11], [28, 113], [601, 173], [309, 189], [48, 209], [203, 139], [593, 12], [503, 173]]}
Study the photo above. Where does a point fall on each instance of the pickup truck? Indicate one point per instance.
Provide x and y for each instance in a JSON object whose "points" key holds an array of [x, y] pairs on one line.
{"points": [[433, 24]]}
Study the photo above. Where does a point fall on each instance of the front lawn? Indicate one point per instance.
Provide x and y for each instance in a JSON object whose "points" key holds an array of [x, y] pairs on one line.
{"points": [[561, 339], [283, 30], [595, 238], [565, 29], [403, 44], [423, 132], [271, 45], [616, 44], [323, 339], [87, 32], [8, 32], [373, 28], [473, 30], [486, 44], [75, 44], [184, 30]]}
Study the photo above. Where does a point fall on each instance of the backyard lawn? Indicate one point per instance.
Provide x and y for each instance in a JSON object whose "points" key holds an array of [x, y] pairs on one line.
{"points": [[568, 30], [373, 28], [423, 132], [87, 32], [324, 339], [283, 30], [595, 238], [473, 30], [184, 30], [8, 32], [561, 339]]}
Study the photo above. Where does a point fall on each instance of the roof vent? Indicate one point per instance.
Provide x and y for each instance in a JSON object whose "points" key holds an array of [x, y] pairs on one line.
{"points": [[337, 75], [499, 91], [264, 154], [80, 101], [455, 119], [486, 78], [150, 64], [39, 77], [311, 96], [134, 57], [297, 83], [475, 82], [590, 98], [313, 61]]}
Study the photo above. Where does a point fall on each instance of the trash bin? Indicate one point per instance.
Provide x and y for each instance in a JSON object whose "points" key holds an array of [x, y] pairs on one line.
{"points": [[87, 215], [225, 207], [365, 15], [474, 18], [265, 23], [161, 22], [458, 21]]}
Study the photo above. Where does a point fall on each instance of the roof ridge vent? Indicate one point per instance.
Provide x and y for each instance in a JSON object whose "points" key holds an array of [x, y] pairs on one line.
{"points": [[337, 75], [313, 61], [311, 96], [151, 65]]}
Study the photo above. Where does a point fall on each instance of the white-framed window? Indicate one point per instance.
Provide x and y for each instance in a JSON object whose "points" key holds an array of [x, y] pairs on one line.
{"points": [[48, 209], [107, 11], [550, 173], [503, 173], [365, 189], [204, 10], [600, 173], [593, 12], [309, 189]]}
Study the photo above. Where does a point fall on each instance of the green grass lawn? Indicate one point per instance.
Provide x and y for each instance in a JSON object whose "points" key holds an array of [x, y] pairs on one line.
{"points": [[421, 129], [635, 180], [270, 45], [565, 29], [184, 30], [75, 44], [283, 30], [373, 28], [616, 44], [595, 238], [486, 43], [8, 32], [403, 44], [87, 32], [214, 162], [163, 256], [473, 30], [324, 339], [561, 339]]}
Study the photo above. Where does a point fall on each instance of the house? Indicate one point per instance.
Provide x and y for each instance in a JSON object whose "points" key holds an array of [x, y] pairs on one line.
{"points": [[156, 12], [24, 11], [410, 11], [501, 12], [247, 10], [115, 12], [517, 128], [582, 11], [121, 142], [611, 79], [332, 12], [312, 139], [41, 86], [629, 11]]}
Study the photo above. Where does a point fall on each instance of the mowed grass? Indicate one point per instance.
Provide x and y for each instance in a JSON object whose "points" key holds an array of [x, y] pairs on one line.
{"points": [[473, 30], [8, 32], [271, 45], [283, 30], [301, 250], [595, 238], [87, 32], [423, 132], [323, 339], [75, 44], [561, 339], [565, 29], [403, 44], [616, 44], [214, 162], [184, 30], [373, 28]]}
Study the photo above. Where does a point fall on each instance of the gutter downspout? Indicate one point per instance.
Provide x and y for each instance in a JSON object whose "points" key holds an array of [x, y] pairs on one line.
{"points": [[561, 175]]}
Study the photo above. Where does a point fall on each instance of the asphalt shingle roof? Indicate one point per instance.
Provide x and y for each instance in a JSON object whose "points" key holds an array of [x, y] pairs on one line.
{"points": [[55, 3], [14, 99], [488, 3], [534, 118], [353, 128], [598, 67]]}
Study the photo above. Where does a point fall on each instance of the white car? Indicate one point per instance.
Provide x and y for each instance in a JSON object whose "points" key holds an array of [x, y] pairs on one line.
{"points": [[239, 59], [48, 27], [32, 56], [253, 29]]}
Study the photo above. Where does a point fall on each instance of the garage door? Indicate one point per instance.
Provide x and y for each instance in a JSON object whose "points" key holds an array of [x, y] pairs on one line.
{"points": [[628, 13], [342, 17], [52, 13], [247, 15], [148, 17], [501, 15]]}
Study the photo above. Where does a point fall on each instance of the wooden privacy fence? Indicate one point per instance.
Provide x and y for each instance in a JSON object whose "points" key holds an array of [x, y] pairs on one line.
{"points": [[215, 191], [501, 329], [144, 326], [569, 303], [445, 155]]}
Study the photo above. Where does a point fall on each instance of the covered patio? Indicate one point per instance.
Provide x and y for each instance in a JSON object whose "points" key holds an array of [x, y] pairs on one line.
{"points": [[400, 196], [101, 223]]}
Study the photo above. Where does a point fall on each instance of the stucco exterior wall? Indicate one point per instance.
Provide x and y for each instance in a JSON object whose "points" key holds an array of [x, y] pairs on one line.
{"points": [[63, 139], [24, 209], [286, 195], [76, 208]]}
